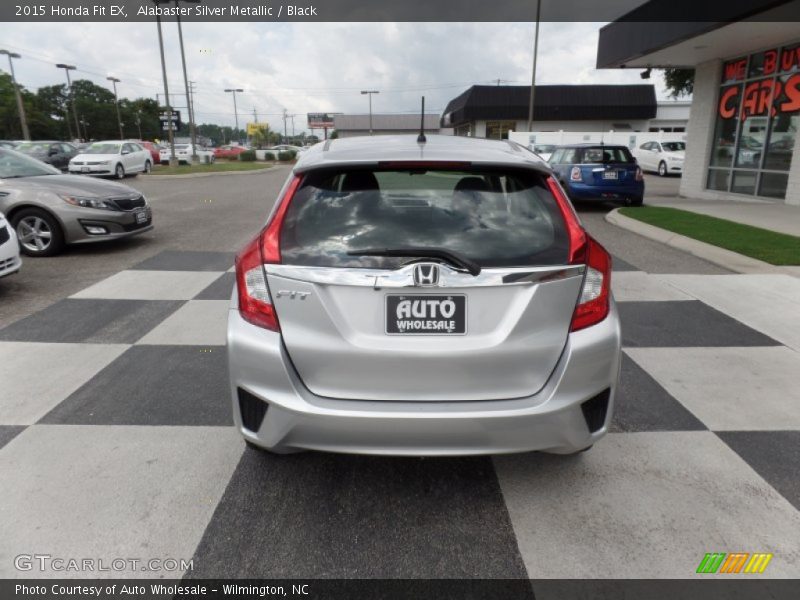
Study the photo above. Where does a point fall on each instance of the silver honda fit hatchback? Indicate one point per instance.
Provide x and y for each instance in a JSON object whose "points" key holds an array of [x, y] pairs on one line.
{"points": [[422, 298]]}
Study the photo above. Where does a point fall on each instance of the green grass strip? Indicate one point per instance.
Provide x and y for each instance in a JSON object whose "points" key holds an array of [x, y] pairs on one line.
{"points": [[762, 244], [217, 167]]}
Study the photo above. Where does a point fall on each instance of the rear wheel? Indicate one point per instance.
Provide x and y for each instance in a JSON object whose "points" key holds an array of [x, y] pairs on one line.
{"points": [[662, 169], [638, 201], [38, 231], [119, 172]]}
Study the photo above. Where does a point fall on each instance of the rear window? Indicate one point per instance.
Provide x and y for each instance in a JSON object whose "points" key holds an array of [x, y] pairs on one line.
{"points": [[606, 154], [495, 217]]}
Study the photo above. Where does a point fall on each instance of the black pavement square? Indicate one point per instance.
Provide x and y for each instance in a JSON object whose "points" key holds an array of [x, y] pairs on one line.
{"points": [[688, 323], [221, 289], [617, 264], [9, 432], [337, 516], [91, 321], [153, 385], [172, 260], [641, 404], [775, 455]]}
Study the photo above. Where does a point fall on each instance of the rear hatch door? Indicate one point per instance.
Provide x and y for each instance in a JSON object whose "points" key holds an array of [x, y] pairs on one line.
{"points": [[421, 327]]}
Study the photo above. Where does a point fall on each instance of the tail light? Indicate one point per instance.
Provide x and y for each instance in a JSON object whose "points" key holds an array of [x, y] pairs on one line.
{"points": [[255, 301], [575, 174], [593, 304], [639, 176]]}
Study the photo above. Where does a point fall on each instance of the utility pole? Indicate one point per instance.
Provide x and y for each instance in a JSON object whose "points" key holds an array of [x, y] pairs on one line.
{"points": [[285, 137], [23, 121], [173, 161], [255, 115], [67, 69], [139, 122], [533, 76], [370, 93], [192, 132], [235, 111], [115, 81]]}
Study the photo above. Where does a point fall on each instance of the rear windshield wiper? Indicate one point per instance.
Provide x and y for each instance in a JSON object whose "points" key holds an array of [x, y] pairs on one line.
{"points": [[454, 258]]}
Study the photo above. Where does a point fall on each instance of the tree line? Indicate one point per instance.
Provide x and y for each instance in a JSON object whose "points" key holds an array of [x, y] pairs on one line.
{"points": [[50, 115]]}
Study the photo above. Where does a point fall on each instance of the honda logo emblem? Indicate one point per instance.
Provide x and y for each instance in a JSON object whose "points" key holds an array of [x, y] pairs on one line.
{"points": [[426, 275]]}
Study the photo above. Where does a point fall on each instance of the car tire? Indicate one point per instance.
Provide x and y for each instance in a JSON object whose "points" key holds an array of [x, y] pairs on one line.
{"points": [[148, 168], [119, 171], [662, 169], [638, 201], [38, 231]]}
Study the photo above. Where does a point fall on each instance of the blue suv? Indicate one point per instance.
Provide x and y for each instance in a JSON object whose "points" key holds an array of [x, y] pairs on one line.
{"points": [[599, 172]]}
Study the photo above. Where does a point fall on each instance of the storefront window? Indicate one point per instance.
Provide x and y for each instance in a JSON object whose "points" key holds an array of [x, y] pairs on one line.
{"points": [[758, 115], [498, 130], [773, 185]]}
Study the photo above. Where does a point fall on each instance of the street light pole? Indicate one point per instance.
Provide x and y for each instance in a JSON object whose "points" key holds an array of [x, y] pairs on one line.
{"points": [[533, 76], [369, 93], [235, 111], [23, 121], [173, 161], [189, 107], [115, 81], [67, 69]]}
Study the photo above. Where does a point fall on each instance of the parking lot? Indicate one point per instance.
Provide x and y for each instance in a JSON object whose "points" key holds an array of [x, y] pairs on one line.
{"points": [[116, 436]]}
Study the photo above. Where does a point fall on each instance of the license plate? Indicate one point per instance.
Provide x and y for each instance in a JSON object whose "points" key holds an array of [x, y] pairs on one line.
{"points": [[411, 314], [84, 169], [609, 175], [141, 217]]}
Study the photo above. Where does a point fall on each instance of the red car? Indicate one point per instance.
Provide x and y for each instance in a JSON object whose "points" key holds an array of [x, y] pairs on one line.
{"points": [[228, 151], [153, 149]]}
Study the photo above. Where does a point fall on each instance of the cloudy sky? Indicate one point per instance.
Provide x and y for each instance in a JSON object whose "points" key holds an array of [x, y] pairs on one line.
{"points": [[310, 67]]}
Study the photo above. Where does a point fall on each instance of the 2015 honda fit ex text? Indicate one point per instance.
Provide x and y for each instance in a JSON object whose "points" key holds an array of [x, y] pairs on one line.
{"points": [[412, 297]]}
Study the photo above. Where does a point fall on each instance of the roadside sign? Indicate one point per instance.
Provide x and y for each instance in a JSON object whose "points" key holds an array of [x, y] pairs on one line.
{"points": [[164, 116], [321, 120], [253, 128]]}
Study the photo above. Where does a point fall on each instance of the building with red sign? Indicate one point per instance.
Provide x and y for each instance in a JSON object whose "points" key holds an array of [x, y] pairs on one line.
{"points": [[742, 138]]}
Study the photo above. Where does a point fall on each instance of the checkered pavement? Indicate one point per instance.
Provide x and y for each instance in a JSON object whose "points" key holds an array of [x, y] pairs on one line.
{"points": [[116, 441]]}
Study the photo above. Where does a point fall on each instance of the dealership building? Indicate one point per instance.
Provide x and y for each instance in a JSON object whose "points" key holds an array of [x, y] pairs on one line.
{"points": [[383, 124], [492, 111], [742, 138]]}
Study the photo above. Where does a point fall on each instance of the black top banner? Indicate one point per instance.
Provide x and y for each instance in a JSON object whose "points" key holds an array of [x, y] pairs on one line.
{"points": [[399, 10]]}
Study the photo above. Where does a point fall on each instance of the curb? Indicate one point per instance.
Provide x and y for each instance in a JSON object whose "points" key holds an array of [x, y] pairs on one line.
{"points": [[195, 175], [733, 261]]}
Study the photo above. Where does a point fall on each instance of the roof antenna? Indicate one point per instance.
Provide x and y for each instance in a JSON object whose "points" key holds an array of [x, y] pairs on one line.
{"points": [[421, 138]]}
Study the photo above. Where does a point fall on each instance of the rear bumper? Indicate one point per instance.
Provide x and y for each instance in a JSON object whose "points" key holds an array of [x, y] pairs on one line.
{"points": [[582, 191], [552, 420]]}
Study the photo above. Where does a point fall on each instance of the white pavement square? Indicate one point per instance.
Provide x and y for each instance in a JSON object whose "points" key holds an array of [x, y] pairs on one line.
{"points": [[729, 389], [198, 322], [150, 285], [36, 376], [111, 492], [638, 286], [644, 505], [767, 303]]}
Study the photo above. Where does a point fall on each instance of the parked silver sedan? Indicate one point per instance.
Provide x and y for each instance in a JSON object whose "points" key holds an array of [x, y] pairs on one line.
{"points": [[48, 209], [436, 298]]}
